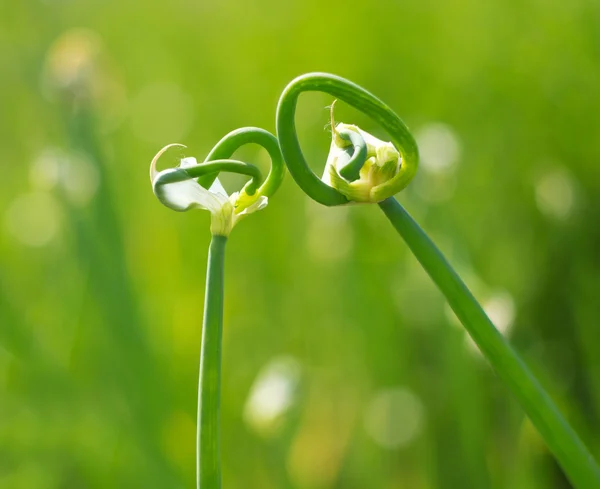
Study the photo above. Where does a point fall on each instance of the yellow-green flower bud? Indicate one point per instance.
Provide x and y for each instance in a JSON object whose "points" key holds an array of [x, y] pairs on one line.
{"points": [[359, 165], [382, 163]]}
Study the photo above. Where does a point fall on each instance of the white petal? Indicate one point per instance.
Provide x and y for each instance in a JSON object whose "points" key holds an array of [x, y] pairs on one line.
{"points": [[217, 188], [189, 194], [260, 204], [185, 194], [187, 162], [371, 140], [335, 154]]}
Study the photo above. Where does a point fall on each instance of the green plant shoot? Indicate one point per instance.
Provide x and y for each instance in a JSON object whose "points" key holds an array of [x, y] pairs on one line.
{"points": [[363, 169], [196, 186]]}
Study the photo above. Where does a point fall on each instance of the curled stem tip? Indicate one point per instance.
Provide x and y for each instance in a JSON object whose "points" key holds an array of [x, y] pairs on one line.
{"points": [[153, 163], [332, 117]]}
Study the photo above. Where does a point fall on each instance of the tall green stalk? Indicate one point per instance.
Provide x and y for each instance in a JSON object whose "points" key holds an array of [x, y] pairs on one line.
{"points": [[208, 440], [195, 186], [558, 434], [571, 453]]}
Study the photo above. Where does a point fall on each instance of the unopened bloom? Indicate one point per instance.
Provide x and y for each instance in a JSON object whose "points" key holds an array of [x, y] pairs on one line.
{"points": [[176, 189], [382, 164]]}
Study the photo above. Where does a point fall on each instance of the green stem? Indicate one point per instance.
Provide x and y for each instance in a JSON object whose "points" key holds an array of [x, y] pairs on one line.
{"points": [[351, 170], [571, 453], [226, 165], [573, 456], [208, 445], [231, 142], [180, 174]]}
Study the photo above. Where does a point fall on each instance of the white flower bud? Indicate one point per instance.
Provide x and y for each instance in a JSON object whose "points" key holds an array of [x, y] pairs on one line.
{"points": [[176, 190]]}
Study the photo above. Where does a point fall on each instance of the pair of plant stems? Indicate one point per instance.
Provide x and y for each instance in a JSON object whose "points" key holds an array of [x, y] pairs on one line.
{"points": [[575, 459]]}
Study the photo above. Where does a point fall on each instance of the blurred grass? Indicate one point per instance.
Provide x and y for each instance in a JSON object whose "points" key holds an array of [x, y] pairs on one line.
{"points": [[101, 288]]}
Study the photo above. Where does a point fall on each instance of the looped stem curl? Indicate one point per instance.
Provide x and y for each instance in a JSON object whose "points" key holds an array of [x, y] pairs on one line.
{"points": [[231, 142], [210, 168], [360, 99]]}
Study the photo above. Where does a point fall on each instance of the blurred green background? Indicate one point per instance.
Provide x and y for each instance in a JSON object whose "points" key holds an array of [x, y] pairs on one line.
{"points": [[342, 367]]}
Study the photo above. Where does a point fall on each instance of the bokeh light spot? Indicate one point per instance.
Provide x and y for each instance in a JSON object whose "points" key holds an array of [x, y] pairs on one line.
{"points": [[555, 194], [394, 417], [33, 219], [500, 308], [45, 169], [80, 179], [439, 147], [272, 394]]}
